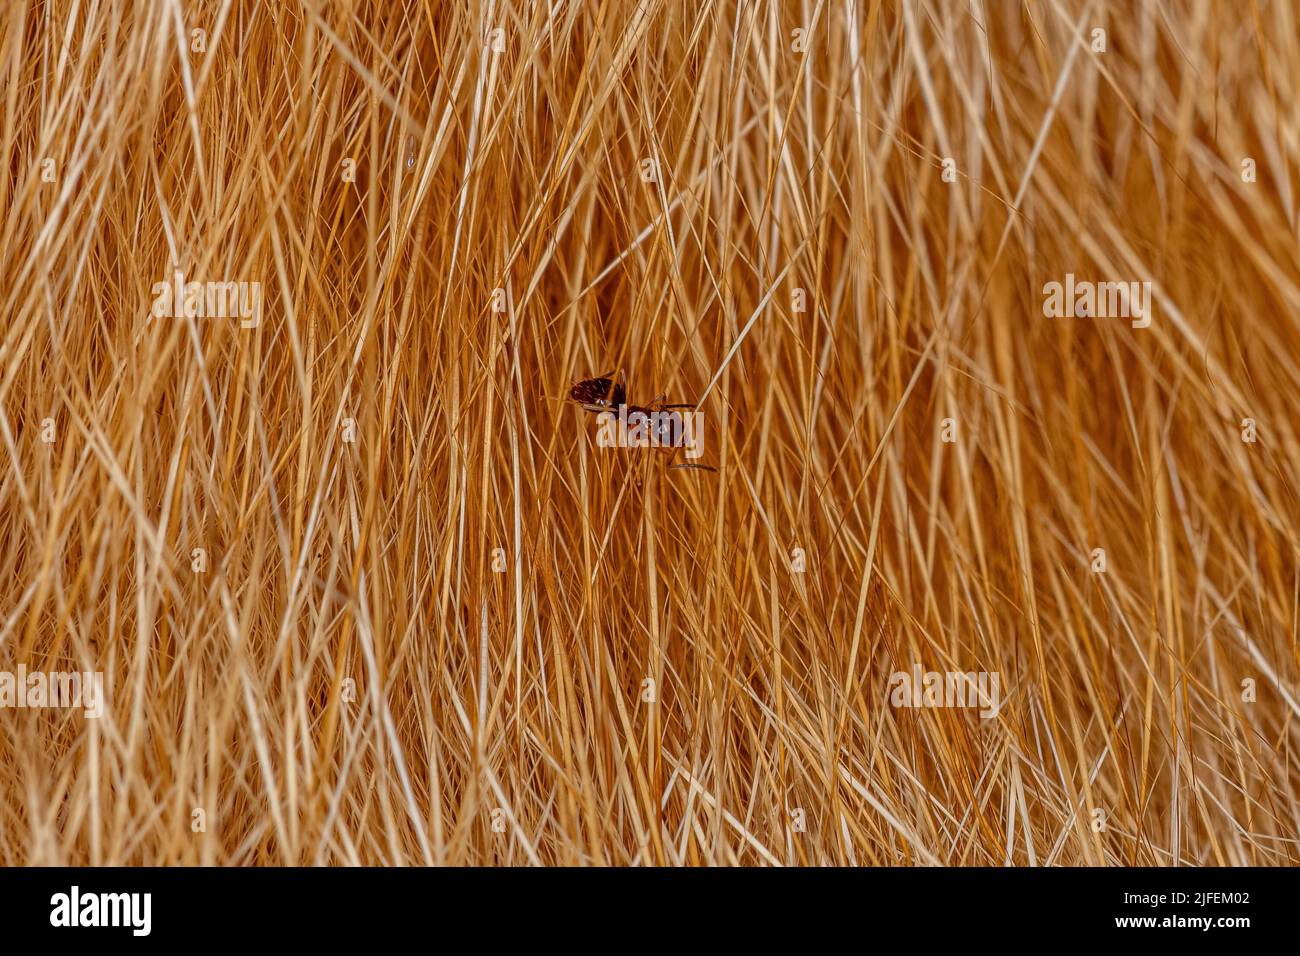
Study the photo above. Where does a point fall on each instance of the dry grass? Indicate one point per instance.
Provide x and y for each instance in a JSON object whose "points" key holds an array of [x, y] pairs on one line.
{"points": [[1123, 736]]}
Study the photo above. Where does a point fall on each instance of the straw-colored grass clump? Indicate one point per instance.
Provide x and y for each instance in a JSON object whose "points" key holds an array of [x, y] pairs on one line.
{"points": [[364, 588]]}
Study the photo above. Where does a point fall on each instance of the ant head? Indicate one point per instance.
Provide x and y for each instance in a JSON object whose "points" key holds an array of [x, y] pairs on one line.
{"points": [[598, 394]]}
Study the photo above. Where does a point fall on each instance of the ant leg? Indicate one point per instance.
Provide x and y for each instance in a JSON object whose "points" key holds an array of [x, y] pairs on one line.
{"points": [[691, 464]]}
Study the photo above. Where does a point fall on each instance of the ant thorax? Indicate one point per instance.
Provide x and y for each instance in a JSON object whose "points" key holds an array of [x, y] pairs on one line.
{"points": [[635, 427]]}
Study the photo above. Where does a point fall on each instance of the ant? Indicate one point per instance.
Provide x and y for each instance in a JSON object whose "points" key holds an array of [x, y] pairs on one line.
{"points": [[603, 395]]}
